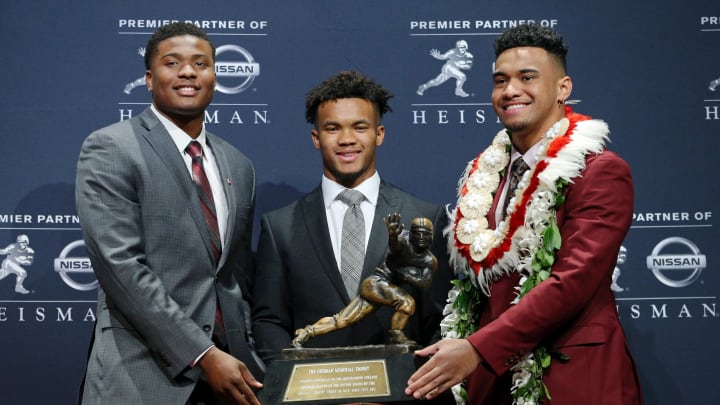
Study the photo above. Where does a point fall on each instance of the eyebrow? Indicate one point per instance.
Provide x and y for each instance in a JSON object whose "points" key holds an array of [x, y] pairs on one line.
{"points": [[178, 55], [356, 122], [522, 71]]}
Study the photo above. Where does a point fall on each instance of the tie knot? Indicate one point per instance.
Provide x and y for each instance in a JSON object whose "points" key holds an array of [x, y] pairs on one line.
{"points": [[194, 149], [351, 197], [519, 166]]}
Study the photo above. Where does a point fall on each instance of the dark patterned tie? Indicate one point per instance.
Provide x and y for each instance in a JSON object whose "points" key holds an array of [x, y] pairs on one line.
{"points": [[352, 251], [517, 169], [194, 149]]}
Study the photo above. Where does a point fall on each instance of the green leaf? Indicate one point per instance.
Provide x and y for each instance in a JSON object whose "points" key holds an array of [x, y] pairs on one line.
{"points": [[545, 360], [545, 391], [552, 238]]}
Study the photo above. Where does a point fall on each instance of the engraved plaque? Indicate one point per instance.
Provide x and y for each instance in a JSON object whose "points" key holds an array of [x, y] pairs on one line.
{"points": [[319, 376], [337, 380]]}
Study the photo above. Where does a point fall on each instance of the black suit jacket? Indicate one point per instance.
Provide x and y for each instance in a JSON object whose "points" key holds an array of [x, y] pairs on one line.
{"points": [[297, 280]]}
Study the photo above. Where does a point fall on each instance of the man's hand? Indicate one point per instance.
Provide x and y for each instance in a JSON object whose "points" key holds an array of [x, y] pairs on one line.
{"points": [[229, 377], [452, 361]]}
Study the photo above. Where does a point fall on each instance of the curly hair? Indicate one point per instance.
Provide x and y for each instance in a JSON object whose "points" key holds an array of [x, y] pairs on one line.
{"points": [[533, 35], [347, 84], [171, 30]]}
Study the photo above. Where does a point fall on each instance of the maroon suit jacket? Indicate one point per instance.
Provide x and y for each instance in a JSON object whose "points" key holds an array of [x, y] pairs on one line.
{"points": [[574, 310]]}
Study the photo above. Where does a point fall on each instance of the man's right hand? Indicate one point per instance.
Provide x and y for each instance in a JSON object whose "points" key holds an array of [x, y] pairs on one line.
{"points": [[229, 377]]}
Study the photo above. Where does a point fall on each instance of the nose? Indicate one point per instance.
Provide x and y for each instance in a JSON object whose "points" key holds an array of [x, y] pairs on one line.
{"points": [[511, 89], [187, 70], [347, 137]]}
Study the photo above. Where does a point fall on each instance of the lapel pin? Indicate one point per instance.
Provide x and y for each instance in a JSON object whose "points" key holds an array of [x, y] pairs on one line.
{"points": [[229, 182]]}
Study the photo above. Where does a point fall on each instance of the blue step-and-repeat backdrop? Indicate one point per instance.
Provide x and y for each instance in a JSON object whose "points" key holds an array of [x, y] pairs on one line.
{"points": [[651, 69]]}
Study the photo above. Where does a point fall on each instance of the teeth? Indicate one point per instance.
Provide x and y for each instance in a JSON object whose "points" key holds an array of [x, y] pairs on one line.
{"points": [[187, 88], [515, 107]]}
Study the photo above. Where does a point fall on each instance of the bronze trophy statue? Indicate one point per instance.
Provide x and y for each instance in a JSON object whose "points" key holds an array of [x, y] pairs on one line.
{"points": [[366, 373], [409, 261]]}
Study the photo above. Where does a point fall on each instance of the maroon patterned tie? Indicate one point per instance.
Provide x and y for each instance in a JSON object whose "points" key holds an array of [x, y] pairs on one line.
{"points": [[194, 149], [207, 202]]}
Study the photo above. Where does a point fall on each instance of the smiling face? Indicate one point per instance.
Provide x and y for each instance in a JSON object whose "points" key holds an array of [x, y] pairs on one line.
{"points": [[182, 78], [347, 131], [529, 85]]}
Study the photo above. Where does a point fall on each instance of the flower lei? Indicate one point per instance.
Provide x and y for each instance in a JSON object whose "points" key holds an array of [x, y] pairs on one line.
{"points": [[526, 241]]}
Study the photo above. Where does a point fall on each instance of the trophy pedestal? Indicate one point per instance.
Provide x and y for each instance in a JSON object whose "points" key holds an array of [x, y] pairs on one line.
{"points": [[377, 373]]}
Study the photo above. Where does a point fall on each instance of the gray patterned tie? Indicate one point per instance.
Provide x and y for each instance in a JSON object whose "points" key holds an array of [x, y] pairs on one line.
{"points": [[352, 253], [517, 169]]}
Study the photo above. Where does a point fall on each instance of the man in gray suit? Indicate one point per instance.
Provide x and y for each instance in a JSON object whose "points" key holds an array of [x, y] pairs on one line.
{"points": [[171, 257], [298, 278]]}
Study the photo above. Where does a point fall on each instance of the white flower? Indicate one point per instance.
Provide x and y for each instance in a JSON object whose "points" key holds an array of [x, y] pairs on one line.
{"points": [[451, 334], [483, 181], [494, 159], [452, 294], [480, 245], [521, 378], [450, 319], [457, 391], [468, 229], [475, 204]]}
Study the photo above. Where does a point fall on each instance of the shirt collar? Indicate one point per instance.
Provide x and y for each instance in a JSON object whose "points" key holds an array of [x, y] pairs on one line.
{"points": [[530, 156], [370, 188], [179, 137]]}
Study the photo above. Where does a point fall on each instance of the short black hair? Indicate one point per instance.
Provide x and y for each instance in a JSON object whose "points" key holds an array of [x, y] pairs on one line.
{"points": [[347, 84], [171, 30], [533, 35]]}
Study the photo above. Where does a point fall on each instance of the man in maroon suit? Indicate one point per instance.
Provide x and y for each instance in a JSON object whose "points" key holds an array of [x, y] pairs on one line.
{"points": [[540, 217]]}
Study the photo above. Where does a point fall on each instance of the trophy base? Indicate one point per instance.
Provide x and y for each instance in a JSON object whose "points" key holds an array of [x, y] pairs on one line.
{"points": [[374, 373]]}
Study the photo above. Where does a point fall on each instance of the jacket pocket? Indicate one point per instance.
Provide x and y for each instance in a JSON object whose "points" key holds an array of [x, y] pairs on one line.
{"points": [[582, 335]]}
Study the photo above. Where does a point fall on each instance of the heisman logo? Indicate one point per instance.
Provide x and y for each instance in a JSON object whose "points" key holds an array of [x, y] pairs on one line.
{"points": [[457, 59], [19, 254], [233, 76], [65, 265], [714, 84], [622, 256], [140, 81], [690, 265]]}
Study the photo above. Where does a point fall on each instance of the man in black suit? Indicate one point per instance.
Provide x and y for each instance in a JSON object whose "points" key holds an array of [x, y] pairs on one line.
{"points": [[298, 278]]}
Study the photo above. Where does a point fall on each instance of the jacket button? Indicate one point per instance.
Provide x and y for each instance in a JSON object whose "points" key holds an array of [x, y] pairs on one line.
{"points": [[207, 328]]}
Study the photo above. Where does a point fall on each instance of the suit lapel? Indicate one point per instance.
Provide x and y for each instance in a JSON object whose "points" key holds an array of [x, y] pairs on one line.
{"points": [[388, 202], [163, 145], [312, 210], [224, 170]]}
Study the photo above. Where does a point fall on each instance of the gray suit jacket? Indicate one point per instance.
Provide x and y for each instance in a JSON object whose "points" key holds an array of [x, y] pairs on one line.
{"points": [[297, 280], [150, 248]]}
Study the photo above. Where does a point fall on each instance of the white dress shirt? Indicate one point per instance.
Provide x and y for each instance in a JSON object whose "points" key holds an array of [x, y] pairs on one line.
{"points": [[335, 209]]}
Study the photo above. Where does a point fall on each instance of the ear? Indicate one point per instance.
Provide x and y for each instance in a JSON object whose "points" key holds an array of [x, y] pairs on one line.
{"points": [[379, 135], [315, 138], [564, 88], [148, 80]]}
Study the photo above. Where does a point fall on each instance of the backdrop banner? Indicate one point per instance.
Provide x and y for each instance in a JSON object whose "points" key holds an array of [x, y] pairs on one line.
{"points": [[650, 69]]}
